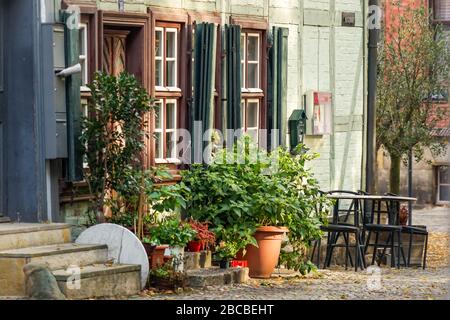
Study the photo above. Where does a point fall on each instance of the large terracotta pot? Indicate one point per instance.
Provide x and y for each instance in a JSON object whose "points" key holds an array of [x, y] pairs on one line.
{"points": [[263, 259]]}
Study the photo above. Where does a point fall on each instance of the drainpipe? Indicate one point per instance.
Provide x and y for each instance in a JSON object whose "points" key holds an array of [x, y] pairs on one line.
{"points": [[374, 35]]}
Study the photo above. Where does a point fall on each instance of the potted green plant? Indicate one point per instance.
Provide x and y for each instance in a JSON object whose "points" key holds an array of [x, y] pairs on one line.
{"points": [[265, 195], [166, 278], [175, 235], [225, 252]]}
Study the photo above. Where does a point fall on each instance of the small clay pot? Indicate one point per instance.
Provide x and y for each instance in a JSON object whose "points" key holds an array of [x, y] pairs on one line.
{"points": [[263, 259]]}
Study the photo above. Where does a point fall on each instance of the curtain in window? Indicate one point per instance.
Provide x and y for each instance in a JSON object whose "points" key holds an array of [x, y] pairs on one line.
{"points": [[73, 104], [277, 86], [233, 76], [204, 76]]}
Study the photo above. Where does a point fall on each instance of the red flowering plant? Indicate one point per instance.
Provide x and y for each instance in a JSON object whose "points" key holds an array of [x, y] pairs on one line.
{"points": [[205, 236]]}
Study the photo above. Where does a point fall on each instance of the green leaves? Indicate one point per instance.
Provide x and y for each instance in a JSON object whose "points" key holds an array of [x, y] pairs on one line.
{"points": [[172, 233], [254, 189]]}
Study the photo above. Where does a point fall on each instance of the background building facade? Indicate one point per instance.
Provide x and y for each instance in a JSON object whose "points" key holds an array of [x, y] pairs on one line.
{"points": [[326, 52]]}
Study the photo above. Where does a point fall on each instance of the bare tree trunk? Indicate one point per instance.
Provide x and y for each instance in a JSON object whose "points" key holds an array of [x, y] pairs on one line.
{"points": [[394, 175]]}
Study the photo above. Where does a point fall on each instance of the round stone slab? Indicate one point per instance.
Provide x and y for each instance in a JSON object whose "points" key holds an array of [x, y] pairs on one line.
{"points": [[123, 246]]}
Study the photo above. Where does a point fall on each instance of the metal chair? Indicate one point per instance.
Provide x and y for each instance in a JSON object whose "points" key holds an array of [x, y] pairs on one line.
{"points": [[412, 230], [377, 227], [345, 228]]}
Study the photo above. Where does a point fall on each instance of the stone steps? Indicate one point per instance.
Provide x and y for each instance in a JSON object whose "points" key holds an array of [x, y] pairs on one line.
{"points": [[214, 276], [57, 256], [100, 281], [23, 235], [4, 219]]}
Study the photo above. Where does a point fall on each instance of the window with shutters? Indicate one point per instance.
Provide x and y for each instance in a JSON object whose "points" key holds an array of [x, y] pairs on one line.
{"points": [[165, 129], [166, 57], [167, 91], [252, 89], [441, 10]]}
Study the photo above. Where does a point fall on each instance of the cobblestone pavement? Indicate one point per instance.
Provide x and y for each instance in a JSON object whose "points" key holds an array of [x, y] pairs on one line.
{"points": [[338, 284]]}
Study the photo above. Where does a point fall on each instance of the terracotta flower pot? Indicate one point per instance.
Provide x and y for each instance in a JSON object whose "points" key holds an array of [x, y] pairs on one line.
{"points": [[157, 256], [263, 259]]}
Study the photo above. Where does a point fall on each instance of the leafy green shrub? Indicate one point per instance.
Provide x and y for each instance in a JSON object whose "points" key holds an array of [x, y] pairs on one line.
{"points": [[244, 188], [172, 232]]}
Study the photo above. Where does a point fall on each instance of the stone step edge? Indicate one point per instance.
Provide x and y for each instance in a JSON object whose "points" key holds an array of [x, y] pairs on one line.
{"points": [[36, 228], [62, 275], [4, 220], [74, 249], [199, 278]]}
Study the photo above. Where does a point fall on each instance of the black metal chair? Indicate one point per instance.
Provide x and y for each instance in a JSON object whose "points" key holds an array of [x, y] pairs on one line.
{"points": [[345, 228], [412, 230], [416, 230], [377, 227]]}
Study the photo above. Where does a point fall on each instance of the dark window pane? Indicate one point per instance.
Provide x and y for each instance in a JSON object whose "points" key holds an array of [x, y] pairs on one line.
{"points": [[158, 42], [171, 74], [253, 79], [170, 145], [444, 193], [444, 175], [158, 145], [158, 70], [171, 44], [253, 48], [170, 115]]}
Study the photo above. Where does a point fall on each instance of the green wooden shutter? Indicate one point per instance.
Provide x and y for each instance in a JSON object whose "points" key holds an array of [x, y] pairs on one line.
{"points": [[277, 85], [233, 76], [73, 104], [204, 76]]}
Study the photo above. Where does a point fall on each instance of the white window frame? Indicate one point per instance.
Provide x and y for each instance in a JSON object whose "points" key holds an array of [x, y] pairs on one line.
{"points": [[174, 59], [243, 64], [173, 156], [246, 129], [84, 56], [160, 58], [256, 62], [160, 130], [439, 184], [164, 131]]}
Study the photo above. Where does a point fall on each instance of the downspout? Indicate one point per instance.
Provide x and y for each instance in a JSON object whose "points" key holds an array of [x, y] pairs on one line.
{"points": [[374, 34]]}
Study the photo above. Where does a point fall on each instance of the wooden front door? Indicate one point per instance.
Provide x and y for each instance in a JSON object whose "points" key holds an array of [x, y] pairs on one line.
{"points": [[115, 51]]}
